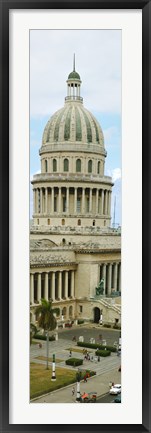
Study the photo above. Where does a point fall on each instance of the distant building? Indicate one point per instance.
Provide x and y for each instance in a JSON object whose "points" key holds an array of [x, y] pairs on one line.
{"points": [[75, 256]]}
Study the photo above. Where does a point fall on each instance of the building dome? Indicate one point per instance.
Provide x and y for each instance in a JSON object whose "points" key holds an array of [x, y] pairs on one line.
{"points": [[73, 123], [74, 75]]}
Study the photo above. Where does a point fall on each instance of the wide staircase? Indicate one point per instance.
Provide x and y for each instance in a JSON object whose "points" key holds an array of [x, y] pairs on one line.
{"points": [[110, 303]]}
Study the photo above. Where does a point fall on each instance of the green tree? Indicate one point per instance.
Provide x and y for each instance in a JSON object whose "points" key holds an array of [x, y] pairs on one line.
{"points": [[33, 331], [46, 319]]}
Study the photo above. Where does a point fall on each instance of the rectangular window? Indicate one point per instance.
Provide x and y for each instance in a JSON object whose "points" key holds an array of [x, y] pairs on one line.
{"points": [[81, 308]]}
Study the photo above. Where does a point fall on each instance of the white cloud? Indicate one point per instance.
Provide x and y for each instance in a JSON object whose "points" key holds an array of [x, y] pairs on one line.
{"points": [[115, 174]]}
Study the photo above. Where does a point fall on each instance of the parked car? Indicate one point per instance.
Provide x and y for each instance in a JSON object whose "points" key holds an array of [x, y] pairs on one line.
{"points": [[68, 325], [116, 389], [118, 399]]}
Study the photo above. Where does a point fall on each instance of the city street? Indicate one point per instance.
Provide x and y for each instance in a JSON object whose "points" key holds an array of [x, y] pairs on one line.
{"points": [[90, 331]]}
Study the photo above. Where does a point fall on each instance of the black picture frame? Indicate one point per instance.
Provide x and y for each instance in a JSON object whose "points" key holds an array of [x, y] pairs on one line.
{"points": [[5, 6]]}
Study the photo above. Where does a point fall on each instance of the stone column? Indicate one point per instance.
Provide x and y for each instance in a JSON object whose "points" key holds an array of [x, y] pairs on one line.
{"points": [[67, 199], [41, 197], [34, 201], [90, 201], [105, 202], [115, 277], [72, 284], [109, 278], [104, 277], [102, 202], [60, 286], [46, 286], [32, 288], [119, 277], [60, 200], [46, 200], [39, 288], [53, 286], [52, 199], [107, 198], [83, 200], [75, 200], [66, 284], [97, 201], [109, 203]]}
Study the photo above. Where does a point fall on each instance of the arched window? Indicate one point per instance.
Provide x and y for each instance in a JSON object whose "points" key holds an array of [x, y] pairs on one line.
{"points": [[79, 222], [46, 165], [38, 221], [70, 311], [63, 222], [54, 165], [78, 165], [63, 241], [98, 167], [66, 164], [90, 166], [104, 222], [64, 312], [93, 222], [48, 221]]}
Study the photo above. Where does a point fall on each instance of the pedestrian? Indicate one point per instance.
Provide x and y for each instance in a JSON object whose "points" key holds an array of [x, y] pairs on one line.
{"points": [[70, 354], [73, 391], [85, 378]]}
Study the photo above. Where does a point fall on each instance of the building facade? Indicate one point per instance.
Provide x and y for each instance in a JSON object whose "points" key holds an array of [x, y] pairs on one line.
{"points": [[72, 244]]}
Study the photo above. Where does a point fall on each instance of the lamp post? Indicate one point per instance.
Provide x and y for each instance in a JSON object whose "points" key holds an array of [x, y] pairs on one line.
{"points": [[53, 377], [47, 345], [78, 386]]}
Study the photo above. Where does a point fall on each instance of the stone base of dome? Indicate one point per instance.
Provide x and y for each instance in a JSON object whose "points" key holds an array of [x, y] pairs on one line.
{"points": [[73, 221]]}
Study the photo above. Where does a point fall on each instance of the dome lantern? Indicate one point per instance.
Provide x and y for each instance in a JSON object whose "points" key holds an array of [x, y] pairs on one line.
{"points": [[73, 85]]}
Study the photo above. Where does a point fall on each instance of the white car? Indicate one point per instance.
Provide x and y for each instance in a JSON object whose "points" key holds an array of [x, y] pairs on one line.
{"points": [[116, 389]]}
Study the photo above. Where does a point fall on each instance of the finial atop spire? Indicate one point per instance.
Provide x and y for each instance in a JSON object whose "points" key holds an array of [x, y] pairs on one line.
{"points": [[73, 62]]}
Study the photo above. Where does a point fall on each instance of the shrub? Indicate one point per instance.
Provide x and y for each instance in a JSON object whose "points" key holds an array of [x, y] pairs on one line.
{"points": [[107, 325], [43, 337], [74, 362], [96, 346], [80, 321], [116, 326], [103, 353], [111, 348], [90, 345]]}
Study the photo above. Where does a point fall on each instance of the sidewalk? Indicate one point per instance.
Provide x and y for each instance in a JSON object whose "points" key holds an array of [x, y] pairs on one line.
{"points": [[99, 384]]}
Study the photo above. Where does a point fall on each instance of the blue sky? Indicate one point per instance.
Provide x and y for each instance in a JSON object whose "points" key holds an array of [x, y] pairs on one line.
{"points": [[98, 61]]}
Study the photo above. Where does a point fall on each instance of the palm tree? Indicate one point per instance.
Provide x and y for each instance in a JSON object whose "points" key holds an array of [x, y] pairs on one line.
{"points": [[46, 319]]}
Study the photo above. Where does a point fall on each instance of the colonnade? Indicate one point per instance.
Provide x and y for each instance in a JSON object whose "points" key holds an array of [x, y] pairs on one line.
{"points": [[55, 285], [111, 273], [72, 200]]}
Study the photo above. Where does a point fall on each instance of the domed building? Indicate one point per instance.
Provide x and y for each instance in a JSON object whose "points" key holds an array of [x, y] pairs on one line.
{"points": [[74, 254]]}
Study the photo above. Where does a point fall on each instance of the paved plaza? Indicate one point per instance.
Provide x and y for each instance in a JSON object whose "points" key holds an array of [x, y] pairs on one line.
{"points": [[106, 369]]}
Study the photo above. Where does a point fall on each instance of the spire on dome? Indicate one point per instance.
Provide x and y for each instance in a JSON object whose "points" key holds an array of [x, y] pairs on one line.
{"points": [[73, 62], [73, 85]]}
